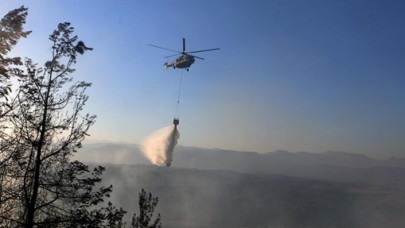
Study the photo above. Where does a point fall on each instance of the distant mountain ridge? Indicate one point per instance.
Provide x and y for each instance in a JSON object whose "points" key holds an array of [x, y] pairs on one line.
{"points": [[331, 165], [224, 188]]}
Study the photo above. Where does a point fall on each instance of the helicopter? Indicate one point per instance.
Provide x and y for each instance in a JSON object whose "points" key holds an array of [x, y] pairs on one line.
{"points": [[185, 59]]}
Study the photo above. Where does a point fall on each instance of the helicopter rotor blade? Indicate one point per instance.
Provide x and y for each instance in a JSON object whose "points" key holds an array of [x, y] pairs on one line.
{"points": [[197, 57], [172, 55], [164, 48], [212, 49], [184, 45]]}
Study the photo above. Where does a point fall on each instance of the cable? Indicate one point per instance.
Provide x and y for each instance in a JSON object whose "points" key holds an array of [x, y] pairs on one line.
{"points": [[178, 95]]}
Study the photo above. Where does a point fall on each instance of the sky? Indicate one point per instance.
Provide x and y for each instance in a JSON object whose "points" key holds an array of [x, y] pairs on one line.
{"points": [[309, 75]]}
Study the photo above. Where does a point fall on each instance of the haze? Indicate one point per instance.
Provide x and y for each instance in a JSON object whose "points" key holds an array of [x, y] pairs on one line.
{"points": [[299, 76], [297, 121]]}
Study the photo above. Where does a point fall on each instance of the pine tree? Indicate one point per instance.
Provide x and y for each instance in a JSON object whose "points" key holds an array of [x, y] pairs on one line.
{"points": [[147, 204], [40, 184], [11, 30]]}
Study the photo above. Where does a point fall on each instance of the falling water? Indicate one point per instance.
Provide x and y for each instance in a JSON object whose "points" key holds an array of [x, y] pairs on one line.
{"points": [[159, 146]]}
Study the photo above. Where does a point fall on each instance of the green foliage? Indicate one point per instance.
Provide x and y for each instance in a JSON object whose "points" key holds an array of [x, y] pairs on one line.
{"points": [[147, 204]]}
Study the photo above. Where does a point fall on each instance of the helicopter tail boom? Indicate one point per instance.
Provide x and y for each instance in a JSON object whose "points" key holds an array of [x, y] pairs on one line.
{"points": [[166, 65]]}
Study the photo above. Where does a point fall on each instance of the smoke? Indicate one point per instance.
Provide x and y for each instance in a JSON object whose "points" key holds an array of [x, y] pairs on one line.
{"points": [[159, 146]]}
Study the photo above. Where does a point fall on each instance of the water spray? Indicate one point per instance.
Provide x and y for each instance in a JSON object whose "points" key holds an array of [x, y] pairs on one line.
{"points": [[159, 146]]}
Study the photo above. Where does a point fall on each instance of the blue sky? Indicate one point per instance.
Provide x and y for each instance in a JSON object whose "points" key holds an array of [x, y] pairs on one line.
{"points": [[295, 75]]}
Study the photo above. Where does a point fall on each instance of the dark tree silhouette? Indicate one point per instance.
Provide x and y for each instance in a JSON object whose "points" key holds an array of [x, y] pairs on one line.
{"points": [[11, 30], [40, 184], [147, 204]]}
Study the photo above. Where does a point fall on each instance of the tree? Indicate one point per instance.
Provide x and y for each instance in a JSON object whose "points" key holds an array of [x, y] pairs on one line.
{"points": [[147, 204], [40, 184], [11, 30]]}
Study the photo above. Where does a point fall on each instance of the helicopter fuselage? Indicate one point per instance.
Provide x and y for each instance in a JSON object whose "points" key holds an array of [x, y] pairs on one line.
{"points": [[184, 61]]}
